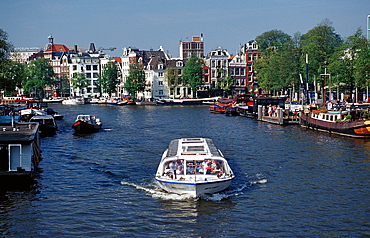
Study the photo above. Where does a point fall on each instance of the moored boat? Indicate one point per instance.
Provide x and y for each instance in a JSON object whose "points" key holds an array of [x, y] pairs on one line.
{"points": [[48, 127], [346, 123], [73, 101], [87, 124], [193, 166]]}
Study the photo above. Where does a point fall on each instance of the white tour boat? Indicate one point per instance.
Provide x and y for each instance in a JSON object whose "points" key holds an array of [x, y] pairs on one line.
{"points": [[193, 166]]}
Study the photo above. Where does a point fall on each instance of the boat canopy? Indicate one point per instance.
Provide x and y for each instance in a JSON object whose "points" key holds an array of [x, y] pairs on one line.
{"points": [[192, 146]]}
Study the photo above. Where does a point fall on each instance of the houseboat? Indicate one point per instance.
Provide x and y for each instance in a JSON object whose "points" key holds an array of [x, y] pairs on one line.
{"points": [[19, 154], [351, 123], [193, 166]]}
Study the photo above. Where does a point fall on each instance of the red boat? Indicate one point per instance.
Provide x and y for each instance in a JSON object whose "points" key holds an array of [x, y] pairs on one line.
{"points": [[87, 124]]}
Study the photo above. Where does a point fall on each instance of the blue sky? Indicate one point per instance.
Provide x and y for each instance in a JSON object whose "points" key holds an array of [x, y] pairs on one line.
{"points": [[149, 24]]}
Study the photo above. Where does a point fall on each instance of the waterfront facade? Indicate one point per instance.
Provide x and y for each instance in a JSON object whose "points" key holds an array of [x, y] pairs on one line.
{"points": [[250, 50], [162, 72]]}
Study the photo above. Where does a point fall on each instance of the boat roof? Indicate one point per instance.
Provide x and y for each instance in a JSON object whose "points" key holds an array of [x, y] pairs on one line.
{"points": [[42, 117], [193, 146]]}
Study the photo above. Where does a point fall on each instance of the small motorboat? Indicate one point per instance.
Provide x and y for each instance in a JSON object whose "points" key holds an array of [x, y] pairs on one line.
{"points": [[193, 166], [87, 124]]}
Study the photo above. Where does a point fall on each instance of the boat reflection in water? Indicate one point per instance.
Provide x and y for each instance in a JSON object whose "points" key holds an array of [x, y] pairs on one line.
{"points": [[193, 166]]}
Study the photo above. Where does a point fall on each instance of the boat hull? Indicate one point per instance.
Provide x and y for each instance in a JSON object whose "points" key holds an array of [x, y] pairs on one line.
{"points": [[195, 189], [357, 129], [83, 127]]}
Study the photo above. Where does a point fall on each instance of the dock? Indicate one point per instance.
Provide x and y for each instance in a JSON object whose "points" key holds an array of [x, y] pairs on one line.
{"points": [[279, 119]]}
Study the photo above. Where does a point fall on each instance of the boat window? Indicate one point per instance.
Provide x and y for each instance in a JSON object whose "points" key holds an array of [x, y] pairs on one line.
{"points": [[194, 167], [208, 166], [173, 167], [214, 166]]}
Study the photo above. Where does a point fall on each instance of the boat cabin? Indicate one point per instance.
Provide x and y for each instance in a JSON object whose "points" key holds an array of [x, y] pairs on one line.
{"points": [[19, 153], [192, 156]]}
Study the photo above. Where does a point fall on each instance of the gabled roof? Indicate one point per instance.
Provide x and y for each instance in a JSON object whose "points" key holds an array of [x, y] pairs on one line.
{"points": [[57, 48], [117, 59]]}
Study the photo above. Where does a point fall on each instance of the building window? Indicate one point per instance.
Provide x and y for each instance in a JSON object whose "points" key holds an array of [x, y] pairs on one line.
{"points": [[236, 71], [160, 92], [95, 75], [88, 67], [179, 64], [160, 83], [179, 72], [242, 71], [213, 64], [88, 75], [95, 67], [231, 71], [160, 74]]}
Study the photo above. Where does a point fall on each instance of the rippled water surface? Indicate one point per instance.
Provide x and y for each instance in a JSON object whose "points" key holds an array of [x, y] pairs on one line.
{"points": [[290, 182]]}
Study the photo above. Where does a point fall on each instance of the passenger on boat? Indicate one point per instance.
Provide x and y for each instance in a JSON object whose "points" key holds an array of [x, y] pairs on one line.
{"points": [[180, 170]]}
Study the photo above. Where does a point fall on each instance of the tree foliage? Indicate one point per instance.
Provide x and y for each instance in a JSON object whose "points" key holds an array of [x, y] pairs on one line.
{"points": [[79, 82], [225, 83], [108, 79], [319, 44], [5, 46], [135, 81], [350, 63], [39, 74], [193, 73], [11, 75], [279, 63], [273, 38]]}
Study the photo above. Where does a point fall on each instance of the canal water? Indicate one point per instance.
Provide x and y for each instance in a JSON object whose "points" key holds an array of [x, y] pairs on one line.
{"points": [[290, 182]]}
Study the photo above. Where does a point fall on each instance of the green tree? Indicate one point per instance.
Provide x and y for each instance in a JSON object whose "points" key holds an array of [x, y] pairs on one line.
{"points": [[225, 83], [11, 75], [39, 74], [350, 63], [279, 63], [172, 79], [79, 82], [273, 38], [319, 44], [135, 82], [5, 46], [108, 80], [193, 74]]}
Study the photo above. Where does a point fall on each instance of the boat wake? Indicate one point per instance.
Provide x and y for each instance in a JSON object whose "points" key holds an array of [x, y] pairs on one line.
{"points": [[156, 192], [238, 189]]}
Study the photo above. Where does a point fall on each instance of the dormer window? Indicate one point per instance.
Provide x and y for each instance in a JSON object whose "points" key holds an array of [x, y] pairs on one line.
{"points": [[179, 64], [160, 66]]}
